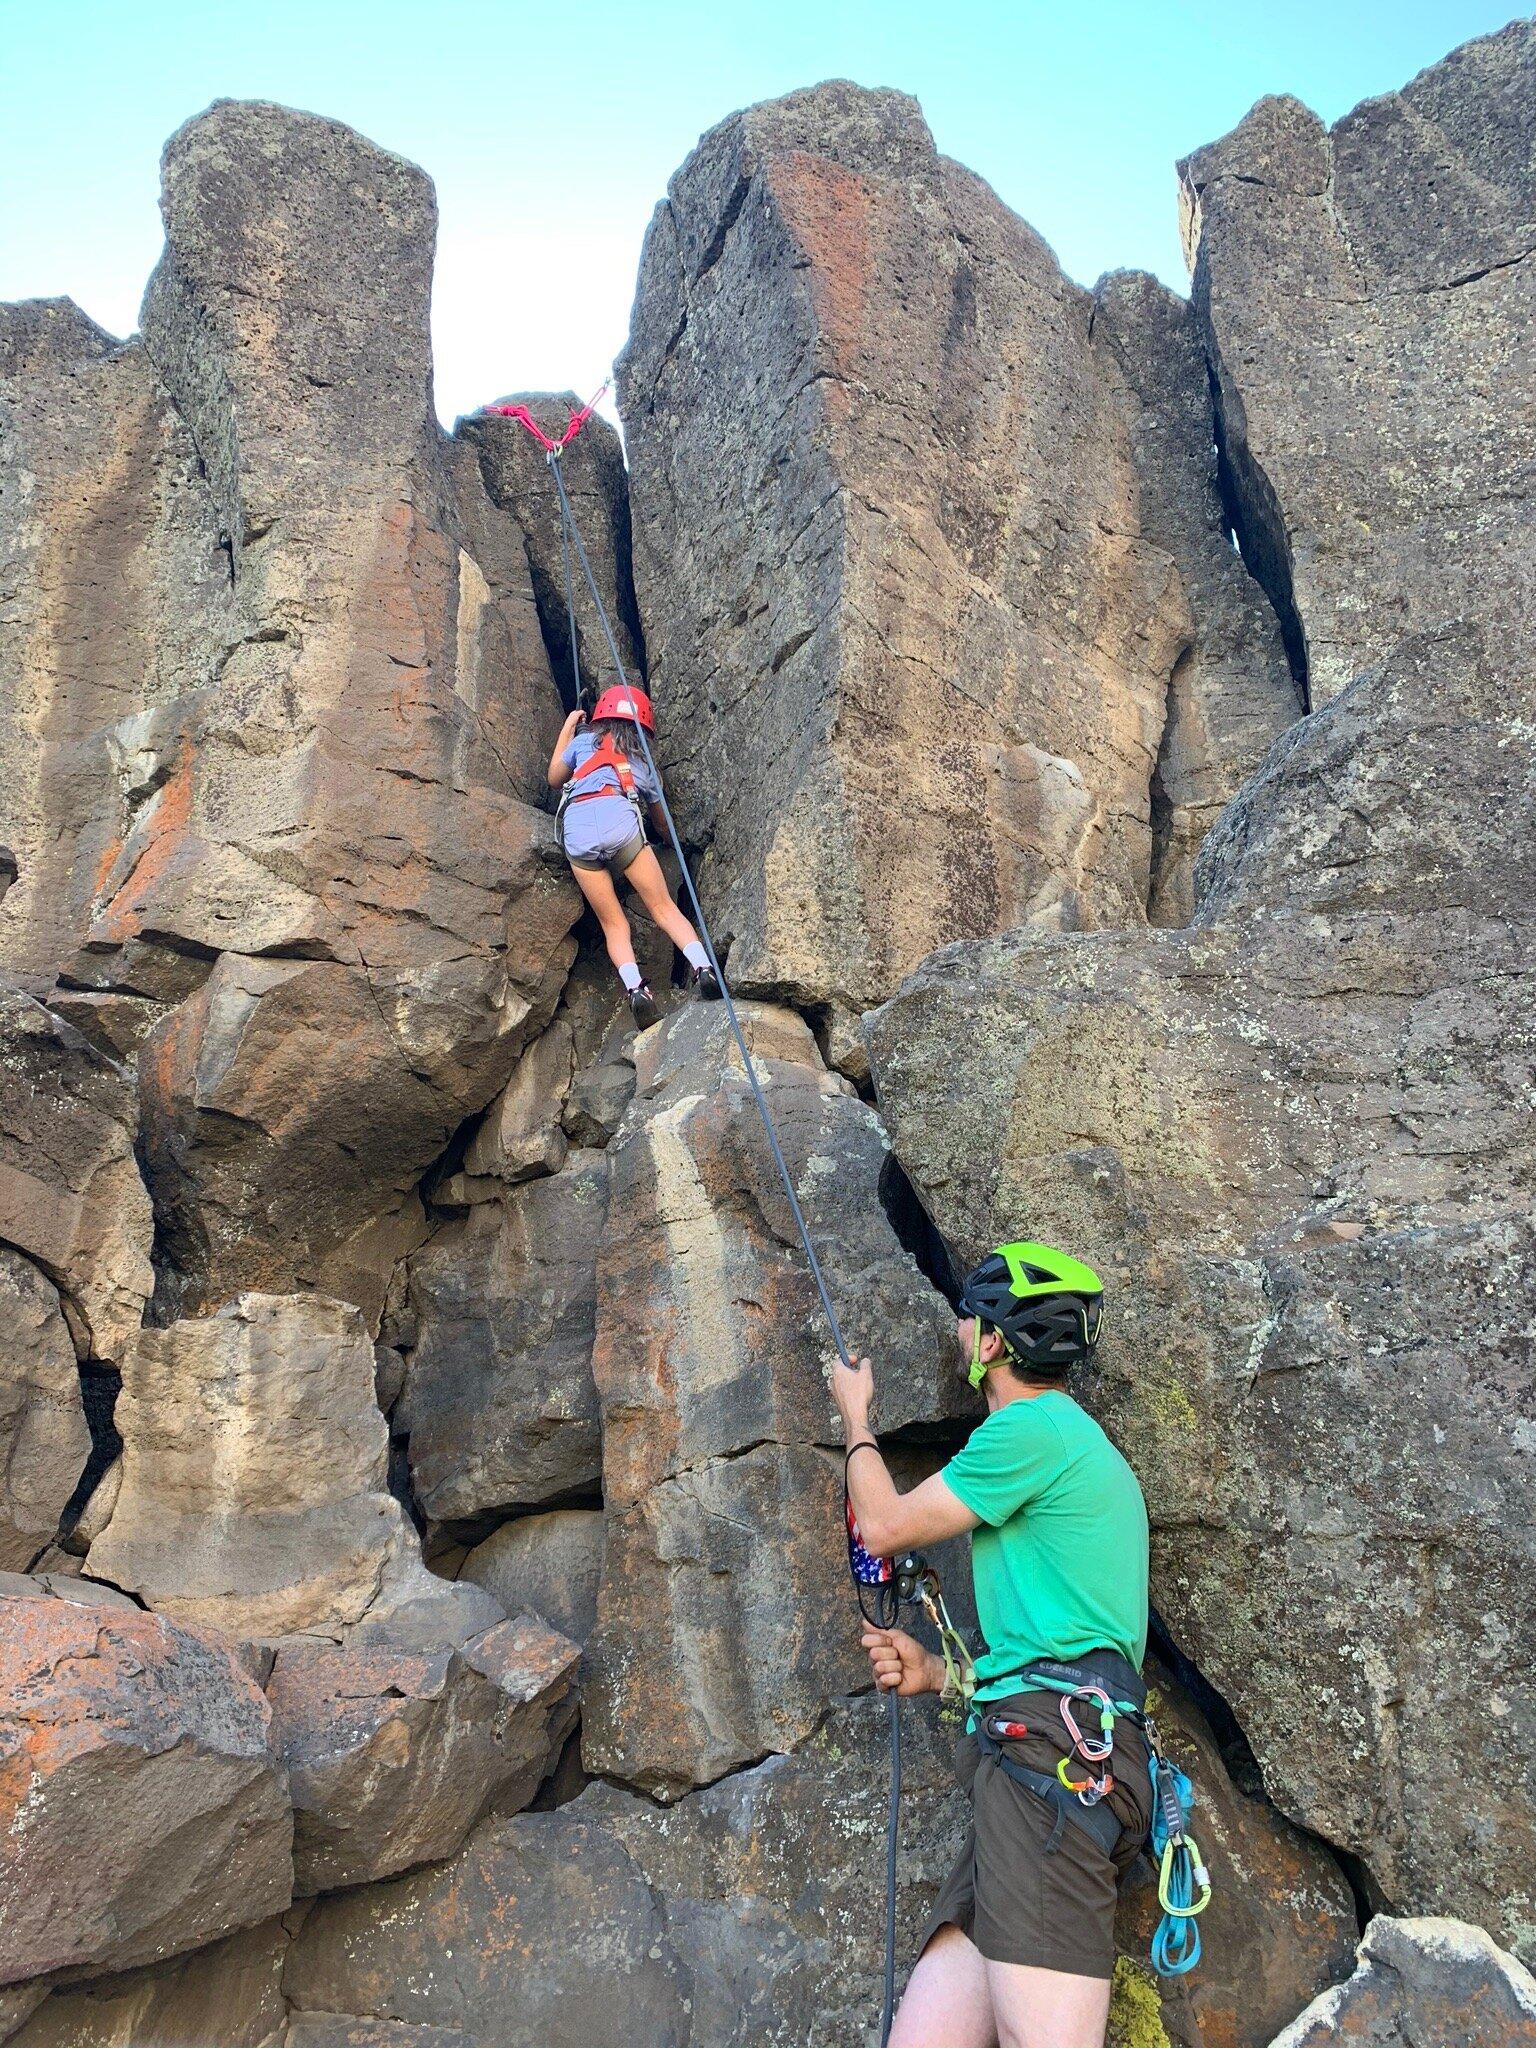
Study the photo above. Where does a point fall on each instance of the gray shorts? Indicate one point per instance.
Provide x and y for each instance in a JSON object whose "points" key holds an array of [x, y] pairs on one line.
{"points": [[612, 863]]}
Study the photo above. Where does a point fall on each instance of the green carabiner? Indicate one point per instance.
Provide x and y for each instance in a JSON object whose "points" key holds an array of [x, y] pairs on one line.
{"points": [[1200, 1877]]}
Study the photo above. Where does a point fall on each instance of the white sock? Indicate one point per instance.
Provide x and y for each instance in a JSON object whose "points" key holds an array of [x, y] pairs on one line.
{"points": [[630, 975], [695, 955]]}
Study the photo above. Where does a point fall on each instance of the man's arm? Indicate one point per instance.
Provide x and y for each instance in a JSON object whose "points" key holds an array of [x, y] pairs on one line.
{"points": [[890, 1521]]}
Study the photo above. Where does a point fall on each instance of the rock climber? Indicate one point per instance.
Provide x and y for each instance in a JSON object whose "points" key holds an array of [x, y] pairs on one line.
{"points": [[1019, 1948], [608, 787]]}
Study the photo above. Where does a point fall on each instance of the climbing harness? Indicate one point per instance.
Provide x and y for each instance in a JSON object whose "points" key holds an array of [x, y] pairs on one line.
{"points": [[882, 1574], [603, 757]]}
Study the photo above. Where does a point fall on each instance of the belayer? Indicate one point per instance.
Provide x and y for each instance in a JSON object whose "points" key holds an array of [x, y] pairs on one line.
{"points": [[608, 787], [1020, 1945]]}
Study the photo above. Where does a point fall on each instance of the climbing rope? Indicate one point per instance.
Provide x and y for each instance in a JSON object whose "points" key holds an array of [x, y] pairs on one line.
{"points": [[882, 1575]]}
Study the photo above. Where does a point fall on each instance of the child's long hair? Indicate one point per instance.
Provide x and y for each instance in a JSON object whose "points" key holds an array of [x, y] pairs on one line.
{"points": [[623, 734]]}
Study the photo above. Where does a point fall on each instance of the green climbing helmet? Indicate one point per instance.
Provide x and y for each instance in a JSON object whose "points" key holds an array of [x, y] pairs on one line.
{"points": [[1046, 1306]]}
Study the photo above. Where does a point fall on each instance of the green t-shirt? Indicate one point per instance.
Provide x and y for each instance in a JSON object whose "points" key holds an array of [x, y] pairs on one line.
{"points": [[1060, 1561]]}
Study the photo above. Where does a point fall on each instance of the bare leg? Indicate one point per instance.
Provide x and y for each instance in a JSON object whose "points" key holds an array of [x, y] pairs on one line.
{"points": [[1047, 2008], [648, 882], [947, 2003], [596, 884]]}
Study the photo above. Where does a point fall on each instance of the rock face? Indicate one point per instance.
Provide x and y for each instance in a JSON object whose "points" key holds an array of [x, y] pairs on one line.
{"points": [[71, 1199], [724, 1518], [392, 1756], [1366, 298], [1295, 1138], [253, 1496], [117, 598], [1423, 1980], [229, 1993], [517, 479], [914, 604], [44, 1440], [499, 1402], [142, 1810]]}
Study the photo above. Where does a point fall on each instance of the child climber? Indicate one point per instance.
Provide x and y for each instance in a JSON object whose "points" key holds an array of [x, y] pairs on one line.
{"points": [[608, 787]]}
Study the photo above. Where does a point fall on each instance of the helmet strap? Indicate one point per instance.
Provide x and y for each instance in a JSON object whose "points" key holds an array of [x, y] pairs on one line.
{"points": [[978, 1371]]}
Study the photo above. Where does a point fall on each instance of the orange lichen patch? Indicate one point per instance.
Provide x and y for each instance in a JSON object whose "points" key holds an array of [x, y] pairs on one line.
{"points": [[827, 210], [160, 834]]}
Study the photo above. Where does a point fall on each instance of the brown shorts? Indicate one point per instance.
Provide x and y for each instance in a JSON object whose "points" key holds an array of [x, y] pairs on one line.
{"points": [[613, 863], [1024, 1890]]}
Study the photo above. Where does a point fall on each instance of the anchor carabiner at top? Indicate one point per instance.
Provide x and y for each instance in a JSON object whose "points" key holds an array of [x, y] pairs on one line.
{"points": [[1092, 1749]]}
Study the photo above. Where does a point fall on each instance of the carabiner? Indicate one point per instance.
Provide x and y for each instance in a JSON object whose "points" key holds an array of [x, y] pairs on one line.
{"points": [[1200, 1879], [1096, 1749]]}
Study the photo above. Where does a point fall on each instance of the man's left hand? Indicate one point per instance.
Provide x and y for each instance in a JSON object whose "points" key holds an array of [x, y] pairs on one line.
{"points": [[853, 1391]]}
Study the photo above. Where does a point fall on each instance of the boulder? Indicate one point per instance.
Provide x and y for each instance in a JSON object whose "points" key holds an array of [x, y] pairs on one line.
{"points": [[1296, 1142], [229, 1994], [725, 1556], [913, 605], [517, 479], [253, 1495], [44, 1440], [549, 1565], [138, 1788], [522, 1135], [392, 1757], [540, 1932], [499, 1403], [1366, 309], [339, 827], [1429, 1981], [71, 1198]]}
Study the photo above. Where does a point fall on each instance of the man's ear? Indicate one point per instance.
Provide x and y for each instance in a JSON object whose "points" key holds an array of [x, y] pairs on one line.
{"points": [[992, 1348]]}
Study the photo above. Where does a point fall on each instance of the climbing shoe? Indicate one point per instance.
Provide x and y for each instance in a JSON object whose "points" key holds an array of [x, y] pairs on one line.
{"points": [[642, 1006], [705, 983]]}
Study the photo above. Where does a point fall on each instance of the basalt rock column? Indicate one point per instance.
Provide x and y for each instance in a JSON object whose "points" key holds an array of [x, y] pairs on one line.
{"points": [[1367, 294], [910, 611], [340, 827]]}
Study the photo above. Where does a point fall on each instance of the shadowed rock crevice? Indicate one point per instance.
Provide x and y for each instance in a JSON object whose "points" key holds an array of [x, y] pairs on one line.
{"points": [[1258, 526]]}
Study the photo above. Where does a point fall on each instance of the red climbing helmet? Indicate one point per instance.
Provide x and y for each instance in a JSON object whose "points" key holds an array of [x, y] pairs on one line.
{"points": [[623, 701]]}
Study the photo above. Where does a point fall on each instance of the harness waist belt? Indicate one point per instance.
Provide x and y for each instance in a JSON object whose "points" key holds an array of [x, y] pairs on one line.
{"points": [[1105, 1668], [1097, 1820]]}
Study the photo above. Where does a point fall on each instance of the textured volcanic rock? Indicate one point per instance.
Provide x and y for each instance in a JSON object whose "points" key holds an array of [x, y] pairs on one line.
{"points": [[548, 1565], [539, 1933], [1281, 1922], [517, 478], [1230, 693], [117, 599], [253, 1492], [142, 1810], [340, 825], [70, 1194], [1367, 299], [499, 1402], [1429, 1981], [913, 604], [724, 1520], [229, 1994], [393, 1757], [758, 1901], [44, 1440], [1297, 1139]]}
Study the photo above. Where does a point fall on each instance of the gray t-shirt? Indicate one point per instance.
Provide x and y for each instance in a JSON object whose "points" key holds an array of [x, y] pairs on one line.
{"points": [[600, 825]]}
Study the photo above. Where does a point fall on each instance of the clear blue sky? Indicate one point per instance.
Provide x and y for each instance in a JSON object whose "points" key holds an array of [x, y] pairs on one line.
{"points": [[551, 131]]}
